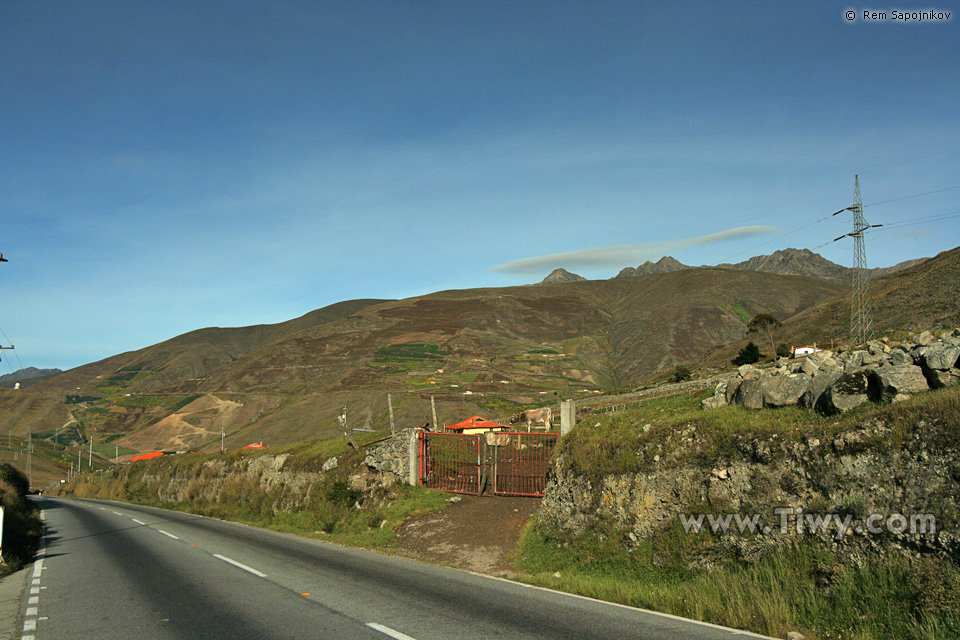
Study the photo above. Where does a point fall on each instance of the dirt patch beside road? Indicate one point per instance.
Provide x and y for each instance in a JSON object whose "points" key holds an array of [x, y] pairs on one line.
{"points": [[477, 533]]}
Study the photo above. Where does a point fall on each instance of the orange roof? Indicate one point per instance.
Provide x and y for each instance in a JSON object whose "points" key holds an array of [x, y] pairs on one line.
{"points": [[147, 456], [476, 422], [255, 445]]}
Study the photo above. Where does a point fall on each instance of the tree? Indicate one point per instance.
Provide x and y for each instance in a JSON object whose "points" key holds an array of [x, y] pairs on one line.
{"points": [[783, 351], [681, 373], [767, 327], [748, 355]]}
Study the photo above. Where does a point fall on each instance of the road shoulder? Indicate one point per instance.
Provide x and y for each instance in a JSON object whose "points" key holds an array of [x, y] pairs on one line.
{"points": [[11, 597]]}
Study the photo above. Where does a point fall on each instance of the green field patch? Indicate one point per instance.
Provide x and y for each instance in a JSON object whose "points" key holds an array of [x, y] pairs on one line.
{"points": [[117, 379], [180, 403], [742, 313], [466, 376], [110, 451], [109, 390], [417, 351], [77, 399], [143, 401]]}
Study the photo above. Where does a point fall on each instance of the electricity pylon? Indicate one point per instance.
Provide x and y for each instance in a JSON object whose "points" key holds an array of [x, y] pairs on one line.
{"points": [[860, 323]]}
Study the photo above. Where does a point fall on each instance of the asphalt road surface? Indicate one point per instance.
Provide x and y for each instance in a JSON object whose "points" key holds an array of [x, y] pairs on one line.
{"points": [[110, 570]]}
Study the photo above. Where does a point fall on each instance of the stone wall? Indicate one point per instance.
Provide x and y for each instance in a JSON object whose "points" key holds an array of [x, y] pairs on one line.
{"points": [[391, 459], [874, 468]]}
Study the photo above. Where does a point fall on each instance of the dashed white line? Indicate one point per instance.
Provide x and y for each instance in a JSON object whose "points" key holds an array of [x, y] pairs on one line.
{"points": [[118, 513], [169, 535], [239, 565], [138, 522], [393, 633]]}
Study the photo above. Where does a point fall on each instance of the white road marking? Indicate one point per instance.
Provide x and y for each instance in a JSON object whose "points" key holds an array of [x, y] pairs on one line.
{"points": [[29, 625], [31, 612], [33, 600], [169, 535], [118, 513], [38, 568], [239, 565], [138, 522], [393, 633]]}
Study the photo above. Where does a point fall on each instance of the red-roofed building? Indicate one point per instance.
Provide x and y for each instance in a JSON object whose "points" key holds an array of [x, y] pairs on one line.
{"points": [[476, 424], [147, 456]]}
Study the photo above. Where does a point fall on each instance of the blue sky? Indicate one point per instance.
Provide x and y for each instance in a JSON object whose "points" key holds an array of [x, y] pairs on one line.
{"points": [[167, 166]]}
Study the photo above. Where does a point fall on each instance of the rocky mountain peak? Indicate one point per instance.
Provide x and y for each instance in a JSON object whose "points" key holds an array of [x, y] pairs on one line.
{"points": [[561, 275]]}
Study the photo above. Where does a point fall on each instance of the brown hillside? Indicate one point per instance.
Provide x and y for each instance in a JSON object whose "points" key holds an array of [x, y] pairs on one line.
{"points": [[177, 362], [921, 296], [23, 411]]}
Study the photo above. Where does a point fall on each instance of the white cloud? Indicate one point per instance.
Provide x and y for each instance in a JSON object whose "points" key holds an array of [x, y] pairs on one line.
{"points": [[623, 254]]}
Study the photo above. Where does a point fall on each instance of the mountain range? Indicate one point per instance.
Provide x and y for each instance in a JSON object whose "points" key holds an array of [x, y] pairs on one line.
{"points": [[477, 351], [26, 376], [789, 262]]}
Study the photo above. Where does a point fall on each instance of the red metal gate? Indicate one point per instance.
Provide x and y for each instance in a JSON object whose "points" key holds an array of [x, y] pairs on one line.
{"points": [[451, 461], [510, 463], [520, 462]]}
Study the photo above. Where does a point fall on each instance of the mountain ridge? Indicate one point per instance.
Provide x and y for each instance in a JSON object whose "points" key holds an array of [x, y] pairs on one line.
{"points": [[486, 351], [795, 262]]}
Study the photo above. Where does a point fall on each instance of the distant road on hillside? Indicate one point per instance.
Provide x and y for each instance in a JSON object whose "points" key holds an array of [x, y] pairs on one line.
{"points": [[112, 571]]}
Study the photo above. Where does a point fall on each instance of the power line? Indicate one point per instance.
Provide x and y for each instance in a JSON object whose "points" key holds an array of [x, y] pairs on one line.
{"points": [[11, 348], [914, 221], [897, 164], [916, 195]]}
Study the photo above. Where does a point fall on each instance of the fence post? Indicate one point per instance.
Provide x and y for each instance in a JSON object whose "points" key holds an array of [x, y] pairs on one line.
{"points": [[414, 450], [568, 416]]}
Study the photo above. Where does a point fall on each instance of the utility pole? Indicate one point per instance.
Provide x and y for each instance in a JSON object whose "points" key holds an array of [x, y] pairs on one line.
{"points": [[393, 426], [222, 435], [29, 459], [860, 329], [90, 457], [433, 409], [342, 419]]}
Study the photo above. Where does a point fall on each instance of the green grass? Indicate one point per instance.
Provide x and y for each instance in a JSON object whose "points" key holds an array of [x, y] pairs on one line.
{"points": [[616, 445], [796, 588], [804, 587], [109, 450], [327, 510]]}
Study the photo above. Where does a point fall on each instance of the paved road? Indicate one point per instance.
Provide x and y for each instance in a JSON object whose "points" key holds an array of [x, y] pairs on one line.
{"points": [[111, 570]]}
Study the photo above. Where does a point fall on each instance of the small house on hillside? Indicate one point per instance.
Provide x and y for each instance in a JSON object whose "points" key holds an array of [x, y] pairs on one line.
{"points": [[476, 424], [805, 350]]}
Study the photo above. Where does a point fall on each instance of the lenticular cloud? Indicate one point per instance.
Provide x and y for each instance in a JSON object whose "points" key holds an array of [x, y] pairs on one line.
{"points": [[622, 254]]}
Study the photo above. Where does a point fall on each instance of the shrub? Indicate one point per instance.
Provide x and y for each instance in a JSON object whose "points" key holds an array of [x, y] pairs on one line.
{"points": [[748, 355]]}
